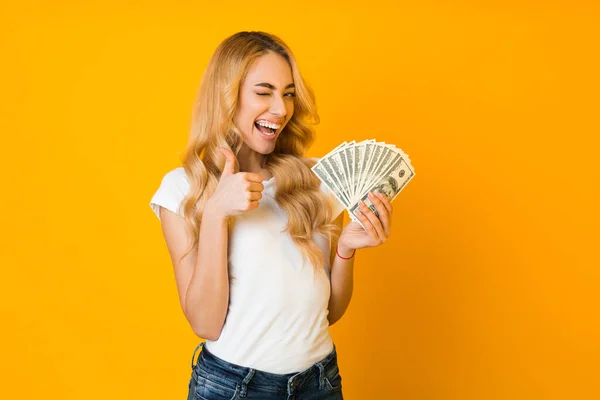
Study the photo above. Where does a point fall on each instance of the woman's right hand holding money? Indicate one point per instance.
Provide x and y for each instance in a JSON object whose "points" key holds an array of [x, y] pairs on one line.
{"points": [[236, 192]]}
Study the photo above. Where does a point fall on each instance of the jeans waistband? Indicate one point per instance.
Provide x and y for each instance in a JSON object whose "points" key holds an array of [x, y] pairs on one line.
{"points": [[264, 379]]}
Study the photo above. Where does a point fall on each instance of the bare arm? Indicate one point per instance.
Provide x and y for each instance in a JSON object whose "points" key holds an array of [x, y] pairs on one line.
{"points": [[207, 296], [201, 277], [342, 280], [372, 231]]}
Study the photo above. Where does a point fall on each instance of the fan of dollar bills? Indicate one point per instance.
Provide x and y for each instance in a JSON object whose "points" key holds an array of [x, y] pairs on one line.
{"points": [[352, 170]]}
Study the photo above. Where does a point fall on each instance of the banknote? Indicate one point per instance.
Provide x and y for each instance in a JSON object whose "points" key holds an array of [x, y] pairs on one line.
{"points": [[352, 170], [390, 184]]}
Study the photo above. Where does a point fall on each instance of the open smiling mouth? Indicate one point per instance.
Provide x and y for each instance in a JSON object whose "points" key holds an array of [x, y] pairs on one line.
{"points": [[265, 129]]}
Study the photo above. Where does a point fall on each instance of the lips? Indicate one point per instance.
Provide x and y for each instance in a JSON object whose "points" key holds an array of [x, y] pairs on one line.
{"points": [[265, 136], [277, 122], [264, 129]]}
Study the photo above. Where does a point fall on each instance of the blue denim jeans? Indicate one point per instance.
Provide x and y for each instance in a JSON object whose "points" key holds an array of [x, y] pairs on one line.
{"points": [[216, 379]]}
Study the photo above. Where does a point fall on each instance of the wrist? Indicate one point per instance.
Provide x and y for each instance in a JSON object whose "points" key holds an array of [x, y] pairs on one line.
{"points": [[212, 211], [344, 252]]}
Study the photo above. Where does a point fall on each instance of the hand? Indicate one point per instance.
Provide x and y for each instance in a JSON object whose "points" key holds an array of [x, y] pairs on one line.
{"points": [[375, 231], [236, 192]]}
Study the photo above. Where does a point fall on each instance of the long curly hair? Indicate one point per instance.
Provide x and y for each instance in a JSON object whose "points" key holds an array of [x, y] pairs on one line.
{"points": [[213, 125]]}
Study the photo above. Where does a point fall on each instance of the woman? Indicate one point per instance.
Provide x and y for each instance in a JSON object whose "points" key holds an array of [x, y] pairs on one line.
{"points": [[250, 231]]}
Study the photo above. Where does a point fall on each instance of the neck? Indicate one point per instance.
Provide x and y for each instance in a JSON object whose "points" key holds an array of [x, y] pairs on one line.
{"points": [[252, 161]]}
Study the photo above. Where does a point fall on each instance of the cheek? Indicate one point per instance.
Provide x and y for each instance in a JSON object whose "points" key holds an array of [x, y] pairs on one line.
{"points": [[249, 109], [245, 119]]}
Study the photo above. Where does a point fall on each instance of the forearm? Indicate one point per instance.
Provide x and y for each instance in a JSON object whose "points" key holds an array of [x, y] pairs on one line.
{"points": [[207, 296], [342, 284]]}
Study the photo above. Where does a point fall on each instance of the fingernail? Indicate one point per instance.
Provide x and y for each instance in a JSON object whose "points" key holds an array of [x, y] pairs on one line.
{"points": [[370, 195]]}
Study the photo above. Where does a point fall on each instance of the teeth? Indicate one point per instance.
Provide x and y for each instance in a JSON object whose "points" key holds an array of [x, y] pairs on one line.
{"points": [[268, 124]]}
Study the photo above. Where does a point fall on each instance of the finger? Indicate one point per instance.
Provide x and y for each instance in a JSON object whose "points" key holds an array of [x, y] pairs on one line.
{"points": [[254, 195], [251, 177], [362, 217], [374, 221], [230, 161], [385, 201], [256, 187], [383, 213]]}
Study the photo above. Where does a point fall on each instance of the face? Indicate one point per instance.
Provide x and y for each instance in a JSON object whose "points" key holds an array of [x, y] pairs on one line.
{"points": [[266, 98], [387, 189]]}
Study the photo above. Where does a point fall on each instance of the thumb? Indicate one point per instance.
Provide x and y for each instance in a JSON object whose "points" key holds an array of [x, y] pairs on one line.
{"points": [[230, 161]]}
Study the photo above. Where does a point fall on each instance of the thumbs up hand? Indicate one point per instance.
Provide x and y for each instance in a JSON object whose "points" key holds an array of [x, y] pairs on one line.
{"points": [[236, 192]]}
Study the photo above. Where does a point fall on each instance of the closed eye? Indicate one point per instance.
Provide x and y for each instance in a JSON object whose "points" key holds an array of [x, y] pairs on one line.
{"points": [[291, 94]]}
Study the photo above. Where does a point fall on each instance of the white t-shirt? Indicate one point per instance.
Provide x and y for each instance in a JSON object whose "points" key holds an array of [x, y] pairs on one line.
{"points": [[277, 316]]}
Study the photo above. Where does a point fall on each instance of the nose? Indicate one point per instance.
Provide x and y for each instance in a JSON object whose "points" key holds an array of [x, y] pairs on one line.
{"points": [[278, 107]]}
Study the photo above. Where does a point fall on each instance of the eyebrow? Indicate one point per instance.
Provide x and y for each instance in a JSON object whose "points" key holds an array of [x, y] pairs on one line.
{"points": [[268, 85]]}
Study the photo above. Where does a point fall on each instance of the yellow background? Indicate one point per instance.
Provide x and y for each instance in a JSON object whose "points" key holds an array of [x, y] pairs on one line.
{"points": [[489, 285]]}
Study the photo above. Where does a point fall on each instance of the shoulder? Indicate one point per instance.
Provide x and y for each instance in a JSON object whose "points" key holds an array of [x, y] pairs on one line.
{"points": [[178, 177], [173, 187], [176, 180]]}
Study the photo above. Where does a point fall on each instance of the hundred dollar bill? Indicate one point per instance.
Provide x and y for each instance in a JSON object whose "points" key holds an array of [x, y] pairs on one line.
{"points": [[391, 184]]}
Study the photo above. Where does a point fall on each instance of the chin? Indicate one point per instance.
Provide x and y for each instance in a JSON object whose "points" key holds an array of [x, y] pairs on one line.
{"points": [[266, 151], [263, 148]]}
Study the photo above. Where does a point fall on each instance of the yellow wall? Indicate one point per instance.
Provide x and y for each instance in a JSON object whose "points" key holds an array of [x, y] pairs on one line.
{"points": [[489, 285]]}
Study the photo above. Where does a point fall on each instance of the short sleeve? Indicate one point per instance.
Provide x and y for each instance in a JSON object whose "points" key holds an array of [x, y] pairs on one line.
{"points": [[171, 192], [337, 206]]}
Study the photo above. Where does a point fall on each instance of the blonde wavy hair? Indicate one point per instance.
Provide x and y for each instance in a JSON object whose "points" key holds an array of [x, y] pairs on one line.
{"points": [[213, 125]]}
